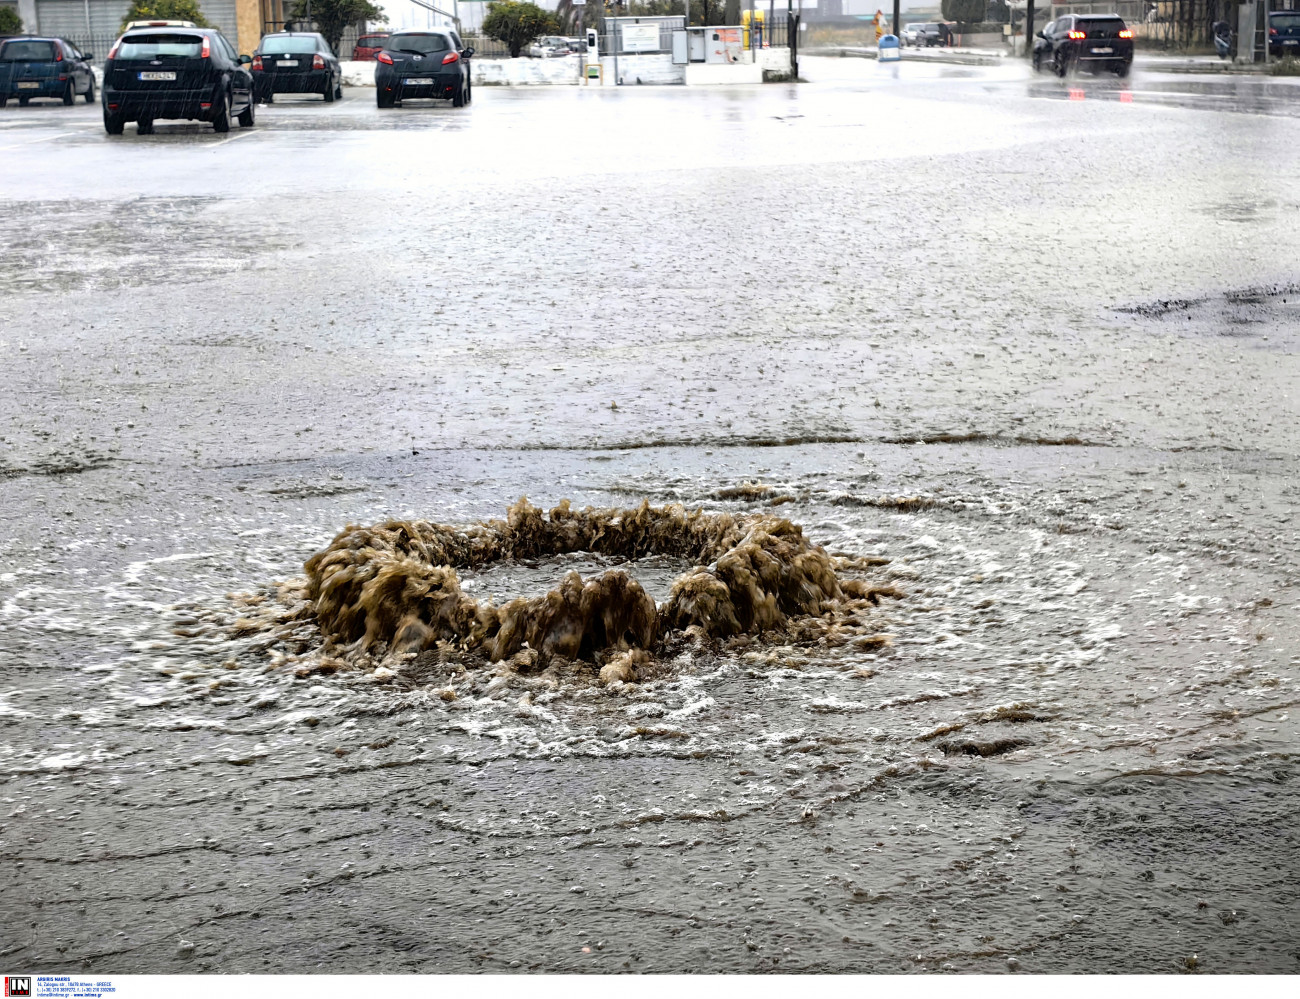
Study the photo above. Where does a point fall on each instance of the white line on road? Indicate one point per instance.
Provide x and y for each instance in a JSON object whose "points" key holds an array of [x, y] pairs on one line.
{"points": [[47, 138], [232, 138]]}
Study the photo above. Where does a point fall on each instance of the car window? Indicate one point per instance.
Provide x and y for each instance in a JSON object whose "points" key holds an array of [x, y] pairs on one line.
{"points": [[1285, 21], [149, 46], [422, 43], [288, 45], [27, 51], [456, 39], [229, 49]]}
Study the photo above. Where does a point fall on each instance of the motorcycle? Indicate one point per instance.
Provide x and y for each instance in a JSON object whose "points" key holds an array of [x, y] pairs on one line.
{"points": [[1222, 39]]}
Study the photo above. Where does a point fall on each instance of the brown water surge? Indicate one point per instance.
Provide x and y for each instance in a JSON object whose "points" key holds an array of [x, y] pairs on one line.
{"points": [[395, 585]]}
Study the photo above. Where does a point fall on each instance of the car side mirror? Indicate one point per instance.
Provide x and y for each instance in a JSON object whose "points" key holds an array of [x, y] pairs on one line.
{"points": [[245, 60], [88, 56], [1040, 34], [469, 52]]}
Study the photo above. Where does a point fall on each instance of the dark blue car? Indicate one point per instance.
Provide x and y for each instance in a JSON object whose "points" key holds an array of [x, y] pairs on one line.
{"points": [[44, 67], [1284, 33]]}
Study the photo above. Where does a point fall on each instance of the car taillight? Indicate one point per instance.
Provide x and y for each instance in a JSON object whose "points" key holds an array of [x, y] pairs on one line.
{"points": [[451, 57], [1078, 34], [1272, 31], [1126, 33], [385, 58], [318, 61], [257, 62], [113, 51], [58, 54], [207, 48]]}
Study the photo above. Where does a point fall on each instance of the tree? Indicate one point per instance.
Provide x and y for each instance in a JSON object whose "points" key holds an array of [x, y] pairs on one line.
{"points": [[964, 11], [516, 23], [10, 22], [165, 10], [333, 17]]}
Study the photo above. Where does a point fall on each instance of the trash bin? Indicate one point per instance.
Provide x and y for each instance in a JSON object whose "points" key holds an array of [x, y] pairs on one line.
{"points": [[887, 50]]}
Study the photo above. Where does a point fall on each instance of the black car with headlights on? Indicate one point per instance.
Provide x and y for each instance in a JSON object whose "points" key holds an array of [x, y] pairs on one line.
{"points": [[296, 62], [422, 64], [1092, 41], [189, 73]]}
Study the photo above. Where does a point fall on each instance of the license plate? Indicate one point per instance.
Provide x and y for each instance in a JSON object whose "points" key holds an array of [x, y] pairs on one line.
{"points": [[414, 81], [287, 62], [158, 76], [1291, 41], [1106, 51], [25, 85]]}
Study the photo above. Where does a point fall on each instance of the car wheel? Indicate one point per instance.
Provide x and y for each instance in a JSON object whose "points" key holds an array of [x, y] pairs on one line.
{"points": [[113, 123], [24, 101], [328, 92], [3, 101], [144, 126], [338, 91], [90, 92], [69, 94], [383, 100], [1062, 64], [1122, 70], [221, 123], [458, 98], [248, 115], [1038, 63]]}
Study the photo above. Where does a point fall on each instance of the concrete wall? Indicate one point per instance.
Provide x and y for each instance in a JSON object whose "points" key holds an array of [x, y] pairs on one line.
{"points": [[647, 68], [247, 27], [527, 72], [491, 72]]}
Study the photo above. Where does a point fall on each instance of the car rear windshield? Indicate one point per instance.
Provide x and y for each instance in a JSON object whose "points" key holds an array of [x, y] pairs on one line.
{"points": [[283, 43], [27, 52], [424, 44], [152, 46], [369, 41], [1285, 21], [1100, 27]]}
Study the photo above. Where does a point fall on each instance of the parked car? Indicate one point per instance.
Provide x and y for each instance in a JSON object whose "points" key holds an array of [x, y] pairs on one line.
{"points": [[1284, 32], [912, 34], [1091, 41], [188, 73], [44, 67], [578, 46], [296, 62], [423, 64], [368, 46], [931, 33], [549, 47]]}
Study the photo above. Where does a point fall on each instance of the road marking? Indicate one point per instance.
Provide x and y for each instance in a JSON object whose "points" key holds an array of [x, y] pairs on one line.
{"points": [[57, 135], [247, 131]]}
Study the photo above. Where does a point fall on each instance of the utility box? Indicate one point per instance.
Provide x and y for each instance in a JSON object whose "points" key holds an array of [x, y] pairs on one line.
{"points": [[887, 48], [723, 45]]}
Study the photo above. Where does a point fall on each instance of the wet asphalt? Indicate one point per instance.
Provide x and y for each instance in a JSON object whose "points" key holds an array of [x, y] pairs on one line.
{"points": [[1065, 314]]}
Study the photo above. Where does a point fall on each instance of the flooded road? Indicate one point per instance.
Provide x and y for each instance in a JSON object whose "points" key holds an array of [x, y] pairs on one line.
{"points": [[1033, 355]]}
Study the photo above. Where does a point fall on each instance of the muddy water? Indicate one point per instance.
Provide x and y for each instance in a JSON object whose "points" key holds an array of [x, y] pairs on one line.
{"points": [[1075, 714]]}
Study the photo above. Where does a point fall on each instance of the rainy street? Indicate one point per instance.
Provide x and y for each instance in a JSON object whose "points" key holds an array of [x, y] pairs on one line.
{"points": [[1024, 351]]}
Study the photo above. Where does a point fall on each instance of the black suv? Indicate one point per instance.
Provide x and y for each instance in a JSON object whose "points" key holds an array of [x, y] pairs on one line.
{"points": [[296, 62], [1094, 41], [176, 73], [423, 64]]}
